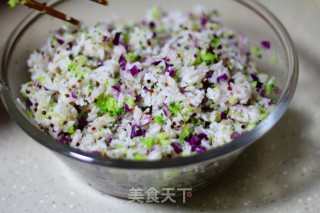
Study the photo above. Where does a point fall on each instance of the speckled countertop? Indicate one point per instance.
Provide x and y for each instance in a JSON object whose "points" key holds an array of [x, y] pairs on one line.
{"points": [[279, 173]]}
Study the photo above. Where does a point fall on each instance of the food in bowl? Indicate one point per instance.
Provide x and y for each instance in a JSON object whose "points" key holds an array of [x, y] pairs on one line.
{"points": [[174, 84]]}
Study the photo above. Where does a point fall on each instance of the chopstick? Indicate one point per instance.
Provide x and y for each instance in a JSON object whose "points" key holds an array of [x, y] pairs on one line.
{"points": [[50, 11], [103, 2], [55, 13]]}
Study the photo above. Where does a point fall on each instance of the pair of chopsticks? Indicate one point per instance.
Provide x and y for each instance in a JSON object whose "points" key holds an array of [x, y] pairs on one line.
{"points": [[55, 13]]}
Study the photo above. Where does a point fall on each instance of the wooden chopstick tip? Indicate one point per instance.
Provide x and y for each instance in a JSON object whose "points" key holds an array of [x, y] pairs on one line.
{"points": [[103, 2], [34, 4], [50, 11]]}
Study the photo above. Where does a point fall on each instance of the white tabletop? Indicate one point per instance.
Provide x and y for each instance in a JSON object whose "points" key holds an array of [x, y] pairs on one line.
{"points": [[279, 173]]}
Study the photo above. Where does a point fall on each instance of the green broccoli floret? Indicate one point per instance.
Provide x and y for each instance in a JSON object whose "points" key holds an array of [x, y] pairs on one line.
{"points": [[71, 130], [186, 130], [175, 109], [163, 138], [41, 79], [159, 119], [148, 142], [137, 156], [133, 57], [208, 57], [76, 66], [131, 102], [109, 105]]}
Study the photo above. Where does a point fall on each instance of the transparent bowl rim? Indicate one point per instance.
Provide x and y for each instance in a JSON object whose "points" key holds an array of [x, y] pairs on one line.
{"points": [[289, 88]]}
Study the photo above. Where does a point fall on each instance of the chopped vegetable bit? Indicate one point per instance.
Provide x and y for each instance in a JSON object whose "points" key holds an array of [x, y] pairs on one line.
{"points": [[186, 131], [265, 44], [208, 57], [41, 79], [174, 108], [250, 127], [13, 3], [133, 57], [131, 102], [162, 136], [155, 13], [270, 86], [232, 100], [148, 142], [159, 119], [256, 51], [29, 113], [71, 130], [137, 156], [109, 105]]}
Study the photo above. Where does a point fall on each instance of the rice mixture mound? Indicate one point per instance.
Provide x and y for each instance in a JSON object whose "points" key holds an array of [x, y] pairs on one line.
{"points": [[174, 84]]}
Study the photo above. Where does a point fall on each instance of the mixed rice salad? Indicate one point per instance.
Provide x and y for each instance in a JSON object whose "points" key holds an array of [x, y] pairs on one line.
{"points": [[174, 84]]}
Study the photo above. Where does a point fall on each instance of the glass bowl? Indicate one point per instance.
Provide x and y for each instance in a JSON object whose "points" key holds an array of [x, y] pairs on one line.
{"points": [[117, 177]]}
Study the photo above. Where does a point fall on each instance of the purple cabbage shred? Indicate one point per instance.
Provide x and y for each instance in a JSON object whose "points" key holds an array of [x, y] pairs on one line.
{"points": [[231, 80], [177, 148], [203, 21], [122, 62], [117, 88], [29, 104], [101, 63], [70, 45], [156, 63], [223, 115], [146, 88], [263, 93], [254, 77], [60, 41], [66, 139], [137, 98], [259, 85], [116, 39], [209, 74], [126, 108], [136, 131], [171, 72], [196, 139], [74, 94], [134, 70], [198, 149], [105, 39], [195, 142], [265, 45], [166, 110], [223, 77]]}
